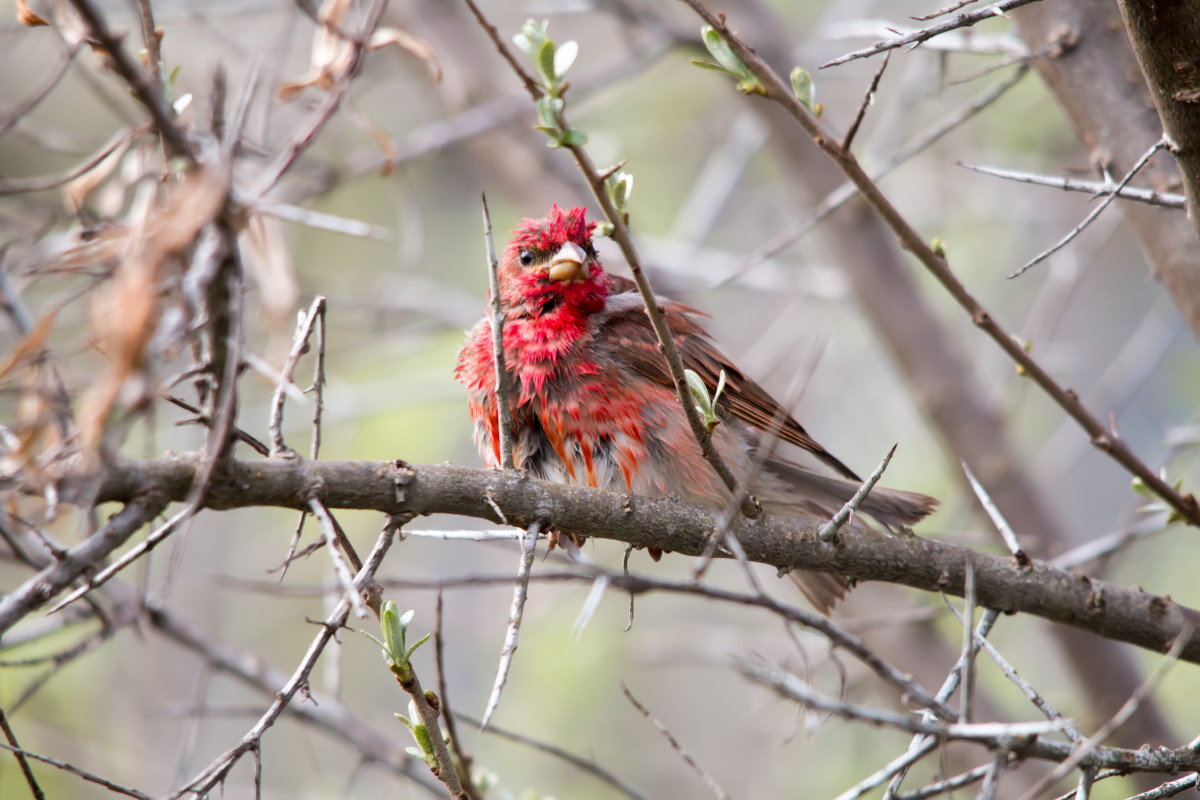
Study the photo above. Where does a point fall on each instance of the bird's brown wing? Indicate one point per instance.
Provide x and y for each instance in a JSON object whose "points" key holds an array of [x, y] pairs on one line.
{"points": [[628, 328]]}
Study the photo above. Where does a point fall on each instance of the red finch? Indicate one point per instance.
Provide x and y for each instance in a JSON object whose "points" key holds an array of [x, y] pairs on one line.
{"points": [[594, 403]]}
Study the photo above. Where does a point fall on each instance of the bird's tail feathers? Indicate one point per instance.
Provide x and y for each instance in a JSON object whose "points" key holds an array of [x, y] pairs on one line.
{"points": [[801, 492]]}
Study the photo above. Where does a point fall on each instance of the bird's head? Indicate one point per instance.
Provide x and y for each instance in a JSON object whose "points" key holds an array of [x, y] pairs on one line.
{"points": [[550, 263]]}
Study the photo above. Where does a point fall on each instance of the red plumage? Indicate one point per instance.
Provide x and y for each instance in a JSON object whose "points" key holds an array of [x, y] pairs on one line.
{"points": [[595, 405]]}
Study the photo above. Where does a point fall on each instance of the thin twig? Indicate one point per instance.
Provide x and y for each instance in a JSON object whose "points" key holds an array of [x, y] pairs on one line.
{"points": [[941, 12], [82, 773], [20, 110], [443, 767], [1109, 196], [462, 761], [1097, 188], [820, 623], [829, 531], [22, 761], [658, 724], [1169, 789], [867, 100], [948, 785], [147, 94], [340, 568], [789, 686], [515, 614], [581, 763], [967, 658], [304, 329], [41, 183], [993, 511], [961, 21], [895, 771], [506, 428]]}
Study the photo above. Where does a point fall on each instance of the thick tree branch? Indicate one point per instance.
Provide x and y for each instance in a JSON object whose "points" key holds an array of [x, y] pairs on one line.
{"points": [[1127, 615], [1164, 38]]}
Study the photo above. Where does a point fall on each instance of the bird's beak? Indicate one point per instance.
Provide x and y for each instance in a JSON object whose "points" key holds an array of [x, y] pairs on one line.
{"points": [[568, 264]]}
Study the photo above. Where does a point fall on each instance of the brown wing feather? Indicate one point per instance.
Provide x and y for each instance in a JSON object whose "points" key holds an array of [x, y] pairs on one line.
{"points": [[630, 330]]}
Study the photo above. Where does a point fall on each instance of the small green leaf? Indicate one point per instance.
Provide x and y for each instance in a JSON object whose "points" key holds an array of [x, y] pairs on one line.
{"points": [[803, 88], [699, 62], [721, 52], [938, 247], [720, 388], [575, 138], [408, 653], [604, 229], [565, 57], [545, 62]]}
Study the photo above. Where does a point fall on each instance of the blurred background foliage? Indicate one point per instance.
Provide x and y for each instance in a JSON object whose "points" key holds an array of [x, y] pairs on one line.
{"points": [[411, 157]]}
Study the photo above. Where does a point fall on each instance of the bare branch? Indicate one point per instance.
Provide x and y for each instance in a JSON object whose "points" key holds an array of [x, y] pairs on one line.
{"points": [[147, 94], [506, 428], [1150, 196], [1109, 196], [708, 779], [963, 20], [515, 614]]}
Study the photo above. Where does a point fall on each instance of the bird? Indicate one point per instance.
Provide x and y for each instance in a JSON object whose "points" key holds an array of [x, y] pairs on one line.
{"points": [[593, 400]]}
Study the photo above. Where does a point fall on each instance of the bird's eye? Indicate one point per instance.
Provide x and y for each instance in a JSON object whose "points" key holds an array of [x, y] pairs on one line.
{"points": [[526, 257]]}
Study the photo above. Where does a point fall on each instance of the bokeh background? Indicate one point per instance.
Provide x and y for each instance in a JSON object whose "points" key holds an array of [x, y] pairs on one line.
{"points": [[410, 157]]}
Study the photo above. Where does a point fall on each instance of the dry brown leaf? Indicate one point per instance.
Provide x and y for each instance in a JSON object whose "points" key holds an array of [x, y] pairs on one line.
{"points": [[27, 16], [413, 44], [77, 192], [125, 311], [331, 52], [32, 346]]}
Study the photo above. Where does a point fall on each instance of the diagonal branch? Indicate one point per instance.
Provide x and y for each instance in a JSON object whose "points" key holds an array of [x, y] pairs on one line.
{"points": [[1101, 437]]}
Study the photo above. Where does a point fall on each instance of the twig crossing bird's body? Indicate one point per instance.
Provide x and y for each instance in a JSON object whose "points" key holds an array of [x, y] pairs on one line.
{"points": [[594, 403]]}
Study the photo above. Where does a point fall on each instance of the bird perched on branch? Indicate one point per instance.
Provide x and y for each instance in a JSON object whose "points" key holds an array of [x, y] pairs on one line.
{"points": [[593, 400]]}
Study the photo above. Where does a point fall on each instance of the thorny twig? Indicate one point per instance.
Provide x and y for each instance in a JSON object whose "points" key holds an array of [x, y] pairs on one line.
{"points": [[1096, 188], [829, 531], [505, 428], [585, 765], [304, 329], [791, 687], [658, 724], [148, 94], [867, 99], [81, 773], [1109, 196], [462, 760], [961, 21], [22, 761], [515, 615], [844, 193]]}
